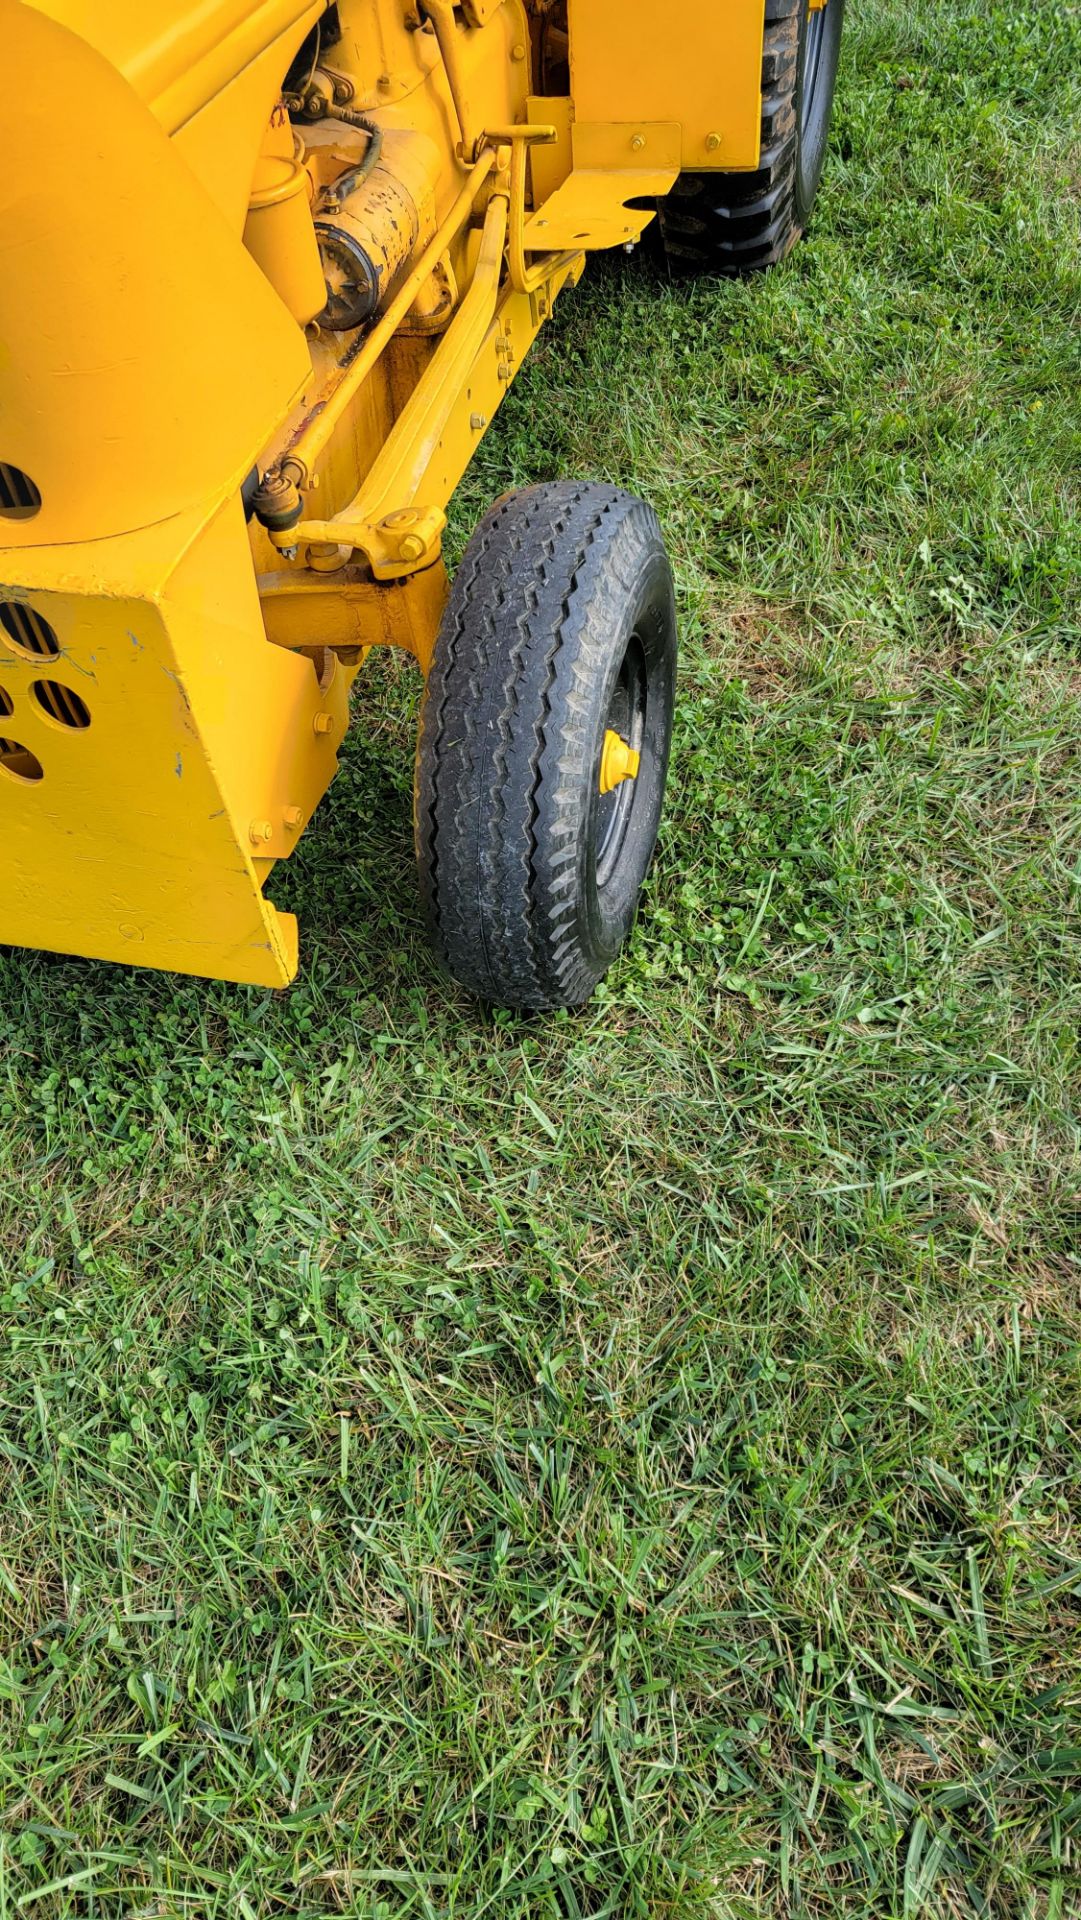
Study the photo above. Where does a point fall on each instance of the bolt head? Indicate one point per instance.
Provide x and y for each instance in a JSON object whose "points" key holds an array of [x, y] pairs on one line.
{"points": [[260, 832], [411, 547], [293, 818], [638, 142], [322, 723], [713, 141]]}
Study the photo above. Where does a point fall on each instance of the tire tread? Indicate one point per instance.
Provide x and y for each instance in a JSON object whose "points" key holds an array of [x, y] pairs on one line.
{"points": [[497, 771], [737, 223]]}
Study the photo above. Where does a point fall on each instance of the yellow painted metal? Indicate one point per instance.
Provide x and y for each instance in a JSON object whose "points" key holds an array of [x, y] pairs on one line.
{"points": [[326, 413], [441, 14], [466, 408], [280, 235], [619, 761], [550, 161], [177, 57], [304, 609], [611, 164], [700, 65], [388, 214], [529, 278], [383, 521], [136, 842], [153, 352], [120, 396]]}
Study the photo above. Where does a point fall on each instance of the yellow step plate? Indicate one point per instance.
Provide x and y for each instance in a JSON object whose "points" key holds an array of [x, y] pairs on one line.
{"points": [[611, 165]]}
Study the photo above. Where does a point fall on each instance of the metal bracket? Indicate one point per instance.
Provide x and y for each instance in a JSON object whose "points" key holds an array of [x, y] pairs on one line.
{"points": [[307, 611]]}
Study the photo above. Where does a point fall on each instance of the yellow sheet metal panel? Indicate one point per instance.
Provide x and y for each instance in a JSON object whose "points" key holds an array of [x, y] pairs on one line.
{"points": [[686, 60], [221, 141], [549, 163], [177, 54], [144, 359], [144, 834], [120, 848], [257, 708]]}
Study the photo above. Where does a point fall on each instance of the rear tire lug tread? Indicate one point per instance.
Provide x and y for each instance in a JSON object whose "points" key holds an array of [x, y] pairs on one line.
{"points": [[735, 223]]}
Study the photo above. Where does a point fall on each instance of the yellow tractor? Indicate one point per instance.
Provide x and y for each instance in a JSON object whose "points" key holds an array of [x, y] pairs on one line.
{"points": [[267, 269]]}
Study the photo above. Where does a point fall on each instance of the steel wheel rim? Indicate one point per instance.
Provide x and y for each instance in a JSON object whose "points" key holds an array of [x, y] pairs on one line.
{"points": [[626, 716]]}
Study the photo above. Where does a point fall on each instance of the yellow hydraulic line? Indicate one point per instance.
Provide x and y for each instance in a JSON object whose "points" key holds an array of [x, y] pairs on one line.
{"points": [[441, 15], [400, 467], [301, 456]]}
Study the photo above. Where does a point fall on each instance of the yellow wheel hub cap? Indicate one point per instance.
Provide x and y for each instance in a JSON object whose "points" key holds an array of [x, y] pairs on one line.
{"points": [[618, 761]]}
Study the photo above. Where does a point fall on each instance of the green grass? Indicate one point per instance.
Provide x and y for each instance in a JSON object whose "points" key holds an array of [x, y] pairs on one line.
{"points": [[625, 1464]]}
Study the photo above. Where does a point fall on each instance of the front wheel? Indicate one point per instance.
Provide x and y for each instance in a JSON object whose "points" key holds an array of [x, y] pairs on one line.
{"points": [[737, 223], [543, 743]]}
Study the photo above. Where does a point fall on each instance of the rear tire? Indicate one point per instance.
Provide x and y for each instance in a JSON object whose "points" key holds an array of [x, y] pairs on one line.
{"points": [[560, 629], [737, 223]]}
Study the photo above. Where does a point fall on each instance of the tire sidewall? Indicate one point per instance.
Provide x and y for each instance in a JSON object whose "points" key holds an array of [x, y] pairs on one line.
{"points": [[606, 912], [813, 122]]}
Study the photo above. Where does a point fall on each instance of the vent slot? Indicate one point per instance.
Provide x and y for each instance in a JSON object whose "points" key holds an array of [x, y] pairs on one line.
{"points": [[19, 762], [61, 704], [26, 632], [19, 497]]}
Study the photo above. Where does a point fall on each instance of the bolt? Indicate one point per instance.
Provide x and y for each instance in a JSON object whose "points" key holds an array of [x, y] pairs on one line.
{"points": [[411, 547], [260, 832], [638, 142], [322, 723], [713, 141], [384, 83], [403, 517], [293, 818], [478, 422], [288, 553], [517, 52]]}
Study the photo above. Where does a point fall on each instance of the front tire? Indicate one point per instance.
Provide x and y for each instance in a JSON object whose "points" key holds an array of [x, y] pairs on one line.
{"points": [[738, 223], [555, 665]]}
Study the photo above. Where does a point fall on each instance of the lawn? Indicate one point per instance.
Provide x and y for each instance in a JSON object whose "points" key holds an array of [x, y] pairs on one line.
{"points": [[627, 1464]]}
